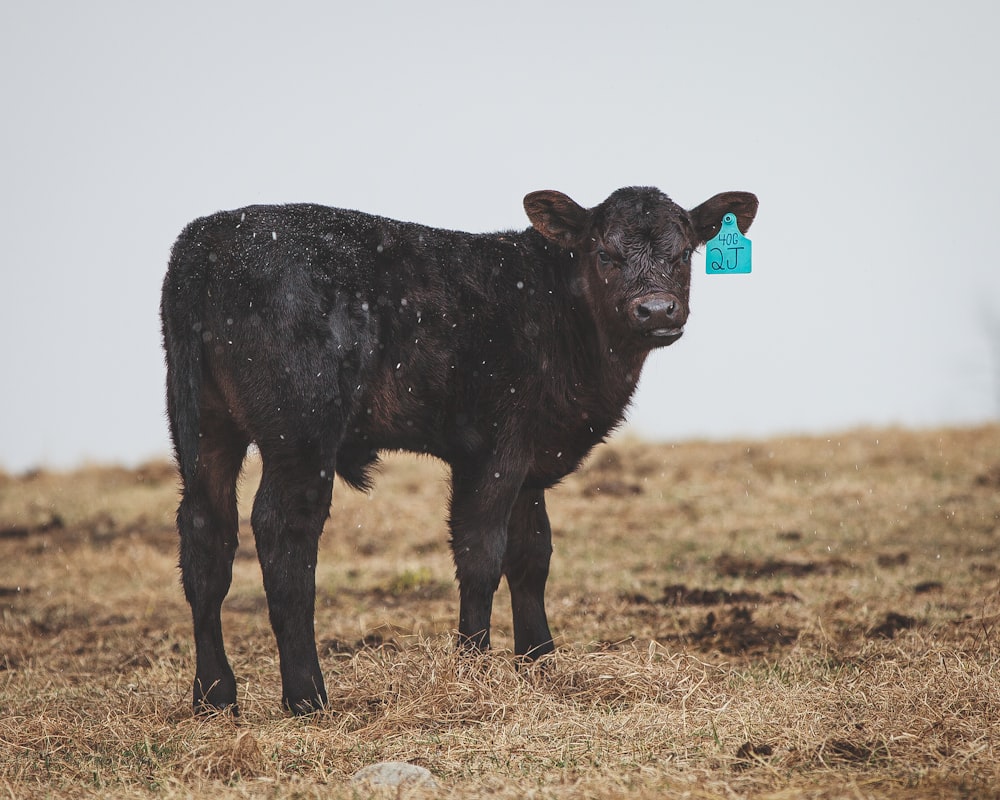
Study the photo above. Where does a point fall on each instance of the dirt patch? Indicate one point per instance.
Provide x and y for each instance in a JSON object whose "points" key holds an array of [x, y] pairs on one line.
{"points": [[52, 523], [735, 632], [990, 479], [751, 755], [736, 567], [886, 560], [681, 595], [890, 626]]}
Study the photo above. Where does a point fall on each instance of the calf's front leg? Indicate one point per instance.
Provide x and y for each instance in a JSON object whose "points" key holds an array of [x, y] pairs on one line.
{"points": [[526, 565]]}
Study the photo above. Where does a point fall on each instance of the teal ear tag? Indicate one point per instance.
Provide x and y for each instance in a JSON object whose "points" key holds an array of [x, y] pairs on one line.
{"points": [[729, 252]]}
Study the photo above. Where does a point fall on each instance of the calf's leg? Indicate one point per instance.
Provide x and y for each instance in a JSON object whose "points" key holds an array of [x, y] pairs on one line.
{"points": [[208, 523], [481, 501], [291, 505], [526, 565]]}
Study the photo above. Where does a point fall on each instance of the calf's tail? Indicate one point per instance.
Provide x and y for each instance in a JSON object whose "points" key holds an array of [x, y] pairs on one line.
{"points": [[180, 314]]}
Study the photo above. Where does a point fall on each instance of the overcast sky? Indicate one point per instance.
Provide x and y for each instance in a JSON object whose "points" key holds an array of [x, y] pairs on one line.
{"points": [[868, 130]]}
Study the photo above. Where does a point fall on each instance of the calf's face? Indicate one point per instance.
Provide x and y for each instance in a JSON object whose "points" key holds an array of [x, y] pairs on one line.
{"points": [[633, 254]]}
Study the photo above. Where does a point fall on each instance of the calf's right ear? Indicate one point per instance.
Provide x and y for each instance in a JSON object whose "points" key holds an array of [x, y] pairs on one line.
{"points": [[707, 217], [557, 217]]}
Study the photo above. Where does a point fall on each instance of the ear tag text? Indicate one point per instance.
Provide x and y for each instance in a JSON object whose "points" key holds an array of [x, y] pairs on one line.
{"points": [[728, 253]]}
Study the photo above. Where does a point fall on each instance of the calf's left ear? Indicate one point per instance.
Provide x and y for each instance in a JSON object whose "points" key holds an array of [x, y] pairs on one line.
{"points": [[557, 217], [707, 217]]}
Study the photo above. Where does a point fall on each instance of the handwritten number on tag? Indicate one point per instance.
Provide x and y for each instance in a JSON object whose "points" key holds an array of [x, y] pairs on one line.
{"points": [[729, 252]]}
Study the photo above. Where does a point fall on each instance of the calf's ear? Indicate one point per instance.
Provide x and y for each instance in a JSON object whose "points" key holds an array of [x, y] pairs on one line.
{"points": [[557, 217], [707, 217]]}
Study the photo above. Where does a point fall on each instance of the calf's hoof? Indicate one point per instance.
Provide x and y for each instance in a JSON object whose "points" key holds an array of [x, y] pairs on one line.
{"points": [[536, 653], [304, 706], [473, 644], [203, 709], [311, 701], [219, 697]]}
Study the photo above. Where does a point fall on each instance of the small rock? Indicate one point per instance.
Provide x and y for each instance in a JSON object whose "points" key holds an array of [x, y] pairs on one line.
{"points": [[394, 773]]}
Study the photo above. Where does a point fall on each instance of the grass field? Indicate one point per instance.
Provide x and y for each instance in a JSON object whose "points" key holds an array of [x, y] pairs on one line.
{"points": [[798, 617]]}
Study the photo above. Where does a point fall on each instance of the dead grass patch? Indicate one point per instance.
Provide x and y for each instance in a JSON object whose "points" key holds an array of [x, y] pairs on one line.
{"points": [[807, 617]]}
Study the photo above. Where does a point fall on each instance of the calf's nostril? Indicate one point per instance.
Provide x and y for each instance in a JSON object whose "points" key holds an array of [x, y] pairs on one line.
{"points": [[658, 311]]}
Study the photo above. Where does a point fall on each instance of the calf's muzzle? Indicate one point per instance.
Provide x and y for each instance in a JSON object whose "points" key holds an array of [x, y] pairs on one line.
{"points": [[661, 316]]}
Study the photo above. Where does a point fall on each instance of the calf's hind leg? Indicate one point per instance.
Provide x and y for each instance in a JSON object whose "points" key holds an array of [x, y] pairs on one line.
{"points": [[291, 505], [208, 523]]}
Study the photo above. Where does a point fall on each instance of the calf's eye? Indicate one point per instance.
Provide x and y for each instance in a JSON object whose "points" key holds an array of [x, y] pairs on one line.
{"points": [[603, 257]]}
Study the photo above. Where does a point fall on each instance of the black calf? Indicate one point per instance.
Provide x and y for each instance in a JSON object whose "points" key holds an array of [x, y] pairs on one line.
{"points": [[325, 336]]}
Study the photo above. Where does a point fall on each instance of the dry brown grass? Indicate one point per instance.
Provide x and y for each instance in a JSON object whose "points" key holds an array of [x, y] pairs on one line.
{"points": [[811, 617]]}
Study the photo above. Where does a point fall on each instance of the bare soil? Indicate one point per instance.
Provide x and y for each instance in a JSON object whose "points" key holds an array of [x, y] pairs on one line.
{"points": [[796, 617]]}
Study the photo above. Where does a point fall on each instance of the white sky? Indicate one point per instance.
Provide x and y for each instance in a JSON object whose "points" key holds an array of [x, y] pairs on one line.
{"points": [[868, 130]]}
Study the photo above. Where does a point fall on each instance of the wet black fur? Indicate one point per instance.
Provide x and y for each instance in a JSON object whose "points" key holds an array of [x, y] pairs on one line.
{"points": [[324, 336]]}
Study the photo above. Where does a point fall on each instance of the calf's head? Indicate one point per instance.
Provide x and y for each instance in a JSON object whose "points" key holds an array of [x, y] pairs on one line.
{"points": [[632, 254]]}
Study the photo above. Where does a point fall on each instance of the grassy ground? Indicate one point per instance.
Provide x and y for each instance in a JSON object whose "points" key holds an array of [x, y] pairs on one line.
{"points": [[785, 618]]}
